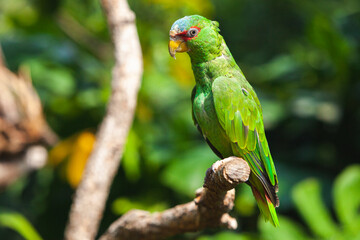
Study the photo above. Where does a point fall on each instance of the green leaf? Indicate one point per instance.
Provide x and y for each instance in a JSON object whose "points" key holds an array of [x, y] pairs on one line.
{"points": [[122, 205], [131, 158], [277, 67], [54, 79], [245, 202], [347, 198], [227, 236], [288, 230], [90, 98], [18, 223], [187, 172], [306, 196]]}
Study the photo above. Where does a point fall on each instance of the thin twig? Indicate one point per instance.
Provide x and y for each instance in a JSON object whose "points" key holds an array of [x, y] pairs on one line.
{"points": [[79, 34], [209, 209], [90, 198]]}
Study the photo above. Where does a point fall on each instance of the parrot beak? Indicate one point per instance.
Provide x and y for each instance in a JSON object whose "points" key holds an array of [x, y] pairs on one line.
{"points": [[177, 44]]}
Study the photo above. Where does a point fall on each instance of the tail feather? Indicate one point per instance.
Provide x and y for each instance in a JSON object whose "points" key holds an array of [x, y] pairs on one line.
{"points": [[266, 206]]}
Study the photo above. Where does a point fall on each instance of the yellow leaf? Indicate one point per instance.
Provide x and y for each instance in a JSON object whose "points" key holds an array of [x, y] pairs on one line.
{"points": [[61, 151], [81, 151]]}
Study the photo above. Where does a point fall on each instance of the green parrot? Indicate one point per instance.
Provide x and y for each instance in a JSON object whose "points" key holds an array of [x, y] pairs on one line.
{"points": [[225, 107]]}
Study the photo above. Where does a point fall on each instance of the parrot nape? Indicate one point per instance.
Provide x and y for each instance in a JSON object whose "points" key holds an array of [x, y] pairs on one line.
{"points": [[225, 107]]}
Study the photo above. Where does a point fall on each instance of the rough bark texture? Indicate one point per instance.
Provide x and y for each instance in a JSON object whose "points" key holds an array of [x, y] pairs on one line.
{"points": [[90, 198], [22, 122], [24, 132], [34, 157], [208, 210]]}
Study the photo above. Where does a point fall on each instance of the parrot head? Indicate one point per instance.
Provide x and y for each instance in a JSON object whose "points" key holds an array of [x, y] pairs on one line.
{"points": [[196, 35]]}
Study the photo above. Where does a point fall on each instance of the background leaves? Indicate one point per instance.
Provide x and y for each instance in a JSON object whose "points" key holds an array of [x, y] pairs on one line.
{"points": [[302, 58]]}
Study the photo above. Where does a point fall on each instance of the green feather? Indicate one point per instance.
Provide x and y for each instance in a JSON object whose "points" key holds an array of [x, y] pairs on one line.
{"points": [[227, 110]]}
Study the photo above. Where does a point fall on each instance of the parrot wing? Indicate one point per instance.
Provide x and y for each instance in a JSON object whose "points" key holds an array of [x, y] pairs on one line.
{"points": [[240, 115], [199, 128]]}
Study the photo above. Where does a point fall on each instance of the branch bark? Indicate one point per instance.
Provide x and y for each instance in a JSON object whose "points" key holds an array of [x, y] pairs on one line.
{"points": [[208, 210], [24, 132], [33, 158], [89, 202]]}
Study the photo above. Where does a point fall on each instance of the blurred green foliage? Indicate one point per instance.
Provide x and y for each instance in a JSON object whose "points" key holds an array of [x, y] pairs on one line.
{"points": [[307, 198], [19, 224], [302, 57]]}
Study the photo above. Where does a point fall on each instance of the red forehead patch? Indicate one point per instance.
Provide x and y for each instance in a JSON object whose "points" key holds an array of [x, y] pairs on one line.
{"points": [[184, 33]]}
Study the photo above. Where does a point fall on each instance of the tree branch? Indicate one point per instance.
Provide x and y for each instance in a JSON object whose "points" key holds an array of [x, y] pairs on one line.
{"points": [[208, 210], [16, 166], [90, 198], [24, 132]]}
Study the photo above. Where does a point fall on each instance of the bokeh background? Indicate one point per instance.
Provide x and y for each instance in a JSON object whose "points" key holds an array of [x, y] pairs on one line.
{"points": [[302, 58]]}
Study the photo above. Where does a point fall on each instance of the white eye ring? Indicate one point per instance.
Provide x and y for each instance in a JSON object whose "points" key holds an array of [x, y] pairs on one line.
{"points": [[193, 32]]}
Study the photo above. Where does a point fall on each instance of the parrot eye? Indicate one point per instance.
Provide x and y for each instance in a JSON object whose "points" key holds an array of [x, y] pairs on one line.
{"points": [[192, 32]]}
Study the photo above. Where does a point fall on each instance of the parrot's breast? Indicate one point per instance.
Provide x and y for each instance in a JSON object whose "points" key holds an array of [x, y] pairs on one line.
{"points": [[206, 118]]}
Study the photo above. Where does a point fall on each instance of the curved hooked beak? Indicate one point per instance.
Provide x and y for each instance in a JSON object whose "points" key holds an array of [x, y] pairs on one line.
{"points": [[177, 44]]}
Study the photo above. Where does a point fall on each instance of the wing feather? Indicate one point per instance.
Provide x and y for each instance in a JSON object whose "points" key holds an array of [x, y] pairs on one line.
{"points": [[240, 115]]}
